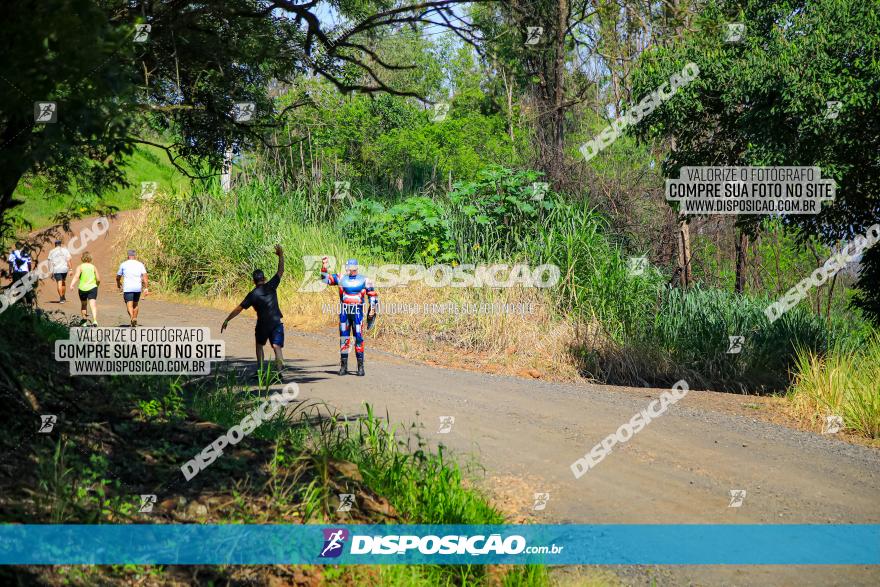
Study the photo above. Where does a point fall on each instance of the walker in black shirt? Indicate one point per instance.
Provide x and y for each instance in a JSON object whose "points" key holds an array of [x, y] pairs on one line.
{"points": [[264, 299]]}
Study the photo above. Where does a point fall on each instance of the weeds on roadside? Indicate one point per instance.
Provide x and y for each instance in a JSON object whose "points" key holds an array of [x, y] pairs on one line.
{"points": [[845, 382]]}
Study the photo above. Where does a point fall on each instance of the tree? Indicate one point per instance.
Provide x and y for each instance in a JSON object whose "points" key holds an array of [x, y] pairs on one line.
{"points": [[175, 85], [68, 53], [764, 102], [533, 44]]}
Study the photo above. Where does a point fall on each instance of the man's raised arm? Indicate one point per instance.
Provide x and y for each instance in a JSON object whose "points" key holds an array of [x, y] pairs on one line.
{"points": [[280, 253], [326, 276]]}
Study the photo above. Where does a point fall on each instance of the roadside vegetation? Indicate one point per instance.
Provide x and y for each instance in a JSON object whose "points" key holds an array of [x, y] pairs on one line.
{"points": [[117, 438], [601, 321], [411, 147], [844, 382], [45, 203]]}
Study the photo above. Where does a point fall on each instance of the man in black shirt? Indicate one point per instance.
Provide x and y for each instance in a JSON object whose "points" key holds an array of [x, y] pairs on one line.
{"points": [[264, 299]]}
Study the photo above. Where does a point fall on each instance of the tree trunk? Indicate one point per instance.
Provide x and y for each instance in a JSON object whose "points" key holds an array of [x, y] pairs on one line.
{"points": [[226, 176], [741, 244], [558, 159], [684, 253]]}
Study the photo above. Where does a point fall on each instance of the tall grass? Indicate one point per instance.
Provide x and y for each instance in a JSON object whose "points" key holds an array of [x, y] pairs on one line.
{"points": [[689, 337], [596, 283], [845, 382], [619, 327], [423, 486], [209, 243]]}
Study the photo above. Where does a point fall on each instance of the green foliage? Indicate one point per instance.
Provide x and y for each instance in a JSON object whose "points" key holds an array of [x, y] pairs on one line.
{"points": [[415, 229], [866, 298], [390, 141], [495, 214], [67, 52], [688, 337], [841, 383], [596, 283], [765, 100], [168, 408]]}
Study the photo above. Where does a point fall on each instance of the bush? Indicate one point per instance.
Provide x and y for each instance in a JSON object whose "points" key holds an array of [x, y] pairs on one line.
{"points": [[498, 212], [842, 383], [416, 229], [688, 338]]}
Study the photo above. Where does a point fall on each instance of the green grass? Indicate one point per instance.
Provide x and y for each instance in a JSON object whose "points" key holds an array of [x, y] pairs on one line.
{"points": [[842, 383], [423, 486], [209, 243], [42, 203], [638, 330], [689, 337]]}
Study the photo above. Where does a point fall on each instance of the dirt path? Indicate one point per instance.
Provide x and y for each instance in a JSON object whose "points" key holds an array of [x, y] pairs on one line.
{"points": [[526, 434]]}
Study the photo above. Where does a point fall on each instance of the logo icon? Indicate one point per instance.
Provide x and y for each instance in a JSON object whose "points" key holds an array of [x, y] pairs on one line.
{"points": [[142, 33], [832, 424], [441, 109], [148, 189], [541, 500], [534, 34], [832, 109], [243, 111], [734, 33], [45, 112], [735, 344], [737, 496], [346, 500], [334, 539], [539, 190], [341, 190], [147, 503], [446, 423], [637, 265], [47, 423]]}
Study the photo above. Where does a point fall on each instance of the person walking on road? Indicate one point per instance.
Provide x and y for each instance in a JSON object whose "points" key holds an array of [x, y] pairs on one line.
{"points": [[264, 299], [87, 279], [131, 280], [59, 258], [20, 264]]}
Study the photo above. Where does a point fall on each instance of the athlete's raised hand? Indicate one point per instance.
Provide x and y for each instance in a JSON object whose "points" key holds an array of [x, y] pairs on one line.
{"points": [[278, 250]]}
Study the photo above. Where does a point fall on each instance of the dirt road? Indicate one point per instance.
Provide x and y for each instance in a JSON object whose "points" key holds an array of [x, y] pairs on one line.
{"points": [[526, 434]]}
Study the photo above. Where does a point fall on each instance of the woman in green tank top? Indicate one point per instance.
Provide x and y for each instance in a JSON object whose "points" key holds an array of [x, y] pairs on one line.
{"points": [[87, 279]]}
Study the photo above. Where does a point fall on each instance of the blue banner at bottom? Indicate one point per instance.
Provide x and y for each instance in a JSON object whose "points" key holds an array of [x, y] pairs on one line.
{"points": [[692, 544]]}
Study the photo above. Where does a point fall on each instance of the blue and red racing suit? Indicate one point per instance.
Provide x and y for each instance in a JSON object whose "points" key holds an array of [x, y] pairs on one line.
{"points": [[354, 290]]}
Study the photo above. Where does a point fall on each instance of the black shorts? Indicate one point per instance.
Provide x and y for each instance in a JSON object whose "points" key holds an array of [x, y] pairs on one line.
{"points": [[132, 296], [274, 335], [91, 294], [59, 276]]}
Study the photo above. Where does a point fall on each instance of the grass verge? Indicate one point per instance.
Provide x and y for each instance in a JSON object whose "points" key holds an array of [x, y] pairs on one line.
{"points": [[119, 437], [842, 383]]}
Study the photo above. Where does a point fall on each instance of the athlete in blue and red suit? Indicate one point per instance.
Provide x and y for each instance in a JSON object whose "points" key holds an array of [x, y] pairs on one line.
{"points": [[354, 291]]}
